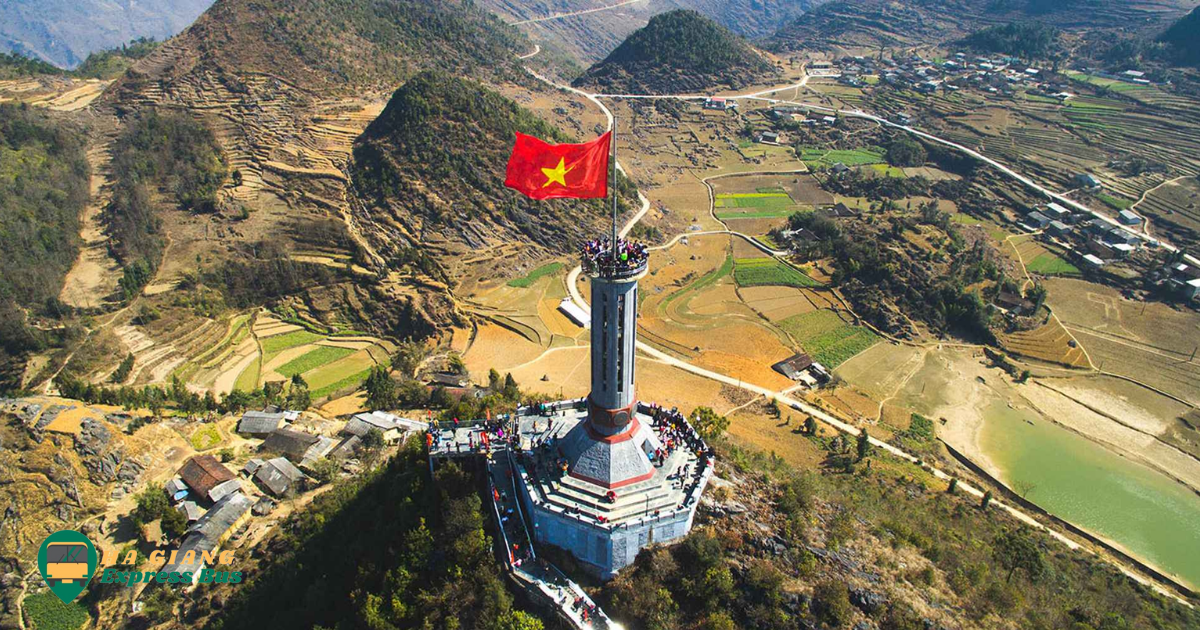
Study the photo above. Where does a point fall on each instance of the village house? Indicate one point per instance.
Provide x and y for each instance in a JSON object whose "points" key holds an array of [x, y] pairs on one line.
{"points": [[203, 473], [1126, 217], [208, 533], [1086, 180], [387, 424], [291, 444], [278, 477], [718, 103], [260, 423]]}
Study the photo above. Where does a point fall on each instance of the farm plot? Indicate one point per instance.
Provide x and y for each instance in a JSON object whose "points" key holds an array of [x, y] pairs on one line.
{"points": [[757, 205], [1175, 207], [313, 359], [756, 272], [529, 279], [816, 157], [828, 338], [279, 343], [1040, 260], [1049, 343]]}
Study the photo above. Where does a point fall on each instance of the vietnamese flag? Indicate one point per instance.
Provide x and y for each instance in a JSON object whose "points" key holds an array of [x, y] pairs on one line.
{"points": [[540, 170]]}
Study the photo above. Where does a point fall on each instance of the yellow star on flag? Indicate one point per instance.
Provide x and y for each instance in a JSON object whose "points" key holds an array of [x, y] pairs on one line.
{"points": [[558, 174]]}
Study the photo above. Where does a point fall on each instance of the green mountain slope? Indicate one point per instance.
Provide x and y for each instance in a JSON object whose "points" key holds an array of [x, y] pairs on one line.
{"points": [[1184, 38], [679, 51], [433, 164]]}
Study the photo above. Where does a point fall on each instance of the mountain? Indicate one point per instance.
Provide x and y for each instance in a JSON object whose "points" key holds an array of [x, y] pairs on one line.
{"points": [[343, 46], [1184, 38], [676, 52], [859, 24], [432, 168], [65, 32], [752, 19]]}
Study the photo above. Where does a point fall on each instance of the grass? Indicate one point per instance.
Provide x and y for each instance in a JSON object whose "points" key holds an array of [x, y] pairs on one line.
{"points": [[758, 272], [47, 612], [706, 280], [547, 269], [1115, 203], [1048, 264], [889, 171], [964, 219], [349, 381], [313, 359], [206, 437], [248, 379], [766, 239], [279, 343], [850, 157], [753, 200], [829, 340], [339, 370], [760, 214]]}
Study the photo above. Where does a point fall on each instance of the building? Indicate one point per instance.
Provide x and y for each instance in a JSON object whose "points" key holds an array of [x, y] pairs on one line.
{"points": [[1093, 261], [260, 423], [838, 210], [1126, 217], [1014, 303], [203, 473], [387, 424], [1036, 220], [191, 511], [574, 313], [224, 489], [770, 137], [448, 379], [793, 367], [208, 533], [291, 444], [1086, 180], [618, 487], [1054, 210], [838, 168], [1058, 228], [278, 476], [718, 103]]}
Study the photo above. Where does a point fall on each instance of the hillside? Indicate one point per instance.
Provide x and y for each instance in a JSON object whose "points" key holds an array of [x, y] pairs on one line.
{"points": [[338, 45], [858, 24], [65, 33], [432, 167], [678, 52], [1184, 38]]}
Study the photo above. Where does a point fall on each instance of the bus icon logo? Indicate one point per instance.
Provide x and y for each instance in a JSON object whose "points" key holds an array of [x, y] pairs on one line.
{"points": [[67, 560]]}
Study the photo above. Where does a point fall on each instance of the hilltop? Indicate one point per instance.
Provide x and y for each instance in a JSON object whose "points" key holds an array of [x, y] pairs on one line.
{"points": [[65, 33], [1184, 37], [873, 23], [339, 46], [432, 166], [679, 51]]}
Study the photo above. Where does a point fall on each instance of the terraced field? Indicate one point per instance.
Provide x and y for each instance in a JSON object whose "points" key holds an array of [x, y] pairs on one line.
{"points": [[757, 272], [765, 204], [827, 338], [1175, 207], [817, 157], [1049, 343]]}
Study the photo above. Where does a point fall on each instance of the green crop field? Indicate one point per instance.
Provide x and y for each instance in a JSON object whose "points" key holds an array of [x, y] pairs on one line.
{"points": [[828, 339], [47, 612], [339, 371], [1050, 265], [248, 379], [279, 343], [889, 171], [753, 200], [781, 213], [766, 239], [757, 272], [849, 157], [205, 437], [1115, 203], [349, 381], [313, 359], [535, 275]]}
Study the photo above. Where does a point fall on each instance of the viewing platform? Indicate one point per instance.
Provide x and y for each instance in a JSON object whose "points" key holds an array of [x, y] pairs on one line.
{"points": [[628, 260]]}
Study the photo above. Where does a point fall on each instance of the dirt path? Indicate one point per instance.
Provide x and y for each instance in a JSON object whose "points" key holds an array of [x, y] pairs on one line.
{"points": [[94, 275], [559, 16]]}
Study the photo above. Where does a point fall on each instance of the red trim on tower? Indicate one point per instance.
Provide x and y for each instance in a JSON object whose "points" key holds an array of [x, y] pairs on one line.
{"points": [[627, 434], [619, 484]]}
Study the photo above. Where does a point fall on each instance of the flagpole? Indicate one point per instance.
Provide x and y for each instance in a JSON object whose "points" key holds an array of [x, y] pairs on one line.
{"points": [[612, 186]]}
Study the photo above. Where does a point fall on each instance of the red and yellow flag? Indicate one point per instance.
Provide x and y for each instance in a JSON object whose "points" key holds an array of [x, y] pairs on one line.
{"points": [[540, 170]]}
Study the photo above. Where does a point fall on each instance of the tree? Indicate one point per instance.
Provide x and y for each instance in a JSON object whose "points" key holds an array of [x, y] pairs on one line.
{"points": [[518, 620], [987, 499], [151, 503], [864, 445], [1023, 487], [495, 381], [173, 523], [810, 425], [904, 151], [455, 363], [953, 487], [511, 391], [373, 440], [708, 423], [325, 470], [381, 389], [1016, 549], [831, 603]]}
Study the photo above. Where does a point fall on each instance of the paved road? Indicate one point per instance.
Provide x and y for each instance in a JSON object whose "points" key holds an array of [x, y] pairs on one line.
{"points": [[559, 16]]}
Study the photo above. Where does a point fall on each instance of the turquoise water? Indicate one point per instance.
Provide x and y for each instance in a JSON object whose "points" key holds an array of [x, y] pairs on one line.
{"points": [[1146, 513]]}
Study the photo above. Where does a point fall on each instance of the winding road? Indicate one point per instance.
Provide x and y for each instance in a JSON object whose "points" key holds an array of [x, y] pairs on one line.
{"points": [[783, 397]]}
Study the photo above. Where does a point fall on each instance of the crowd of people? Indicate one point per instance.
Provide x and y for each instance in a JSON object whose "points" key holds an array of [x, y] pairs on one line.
{"points": [[601, 258]]}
